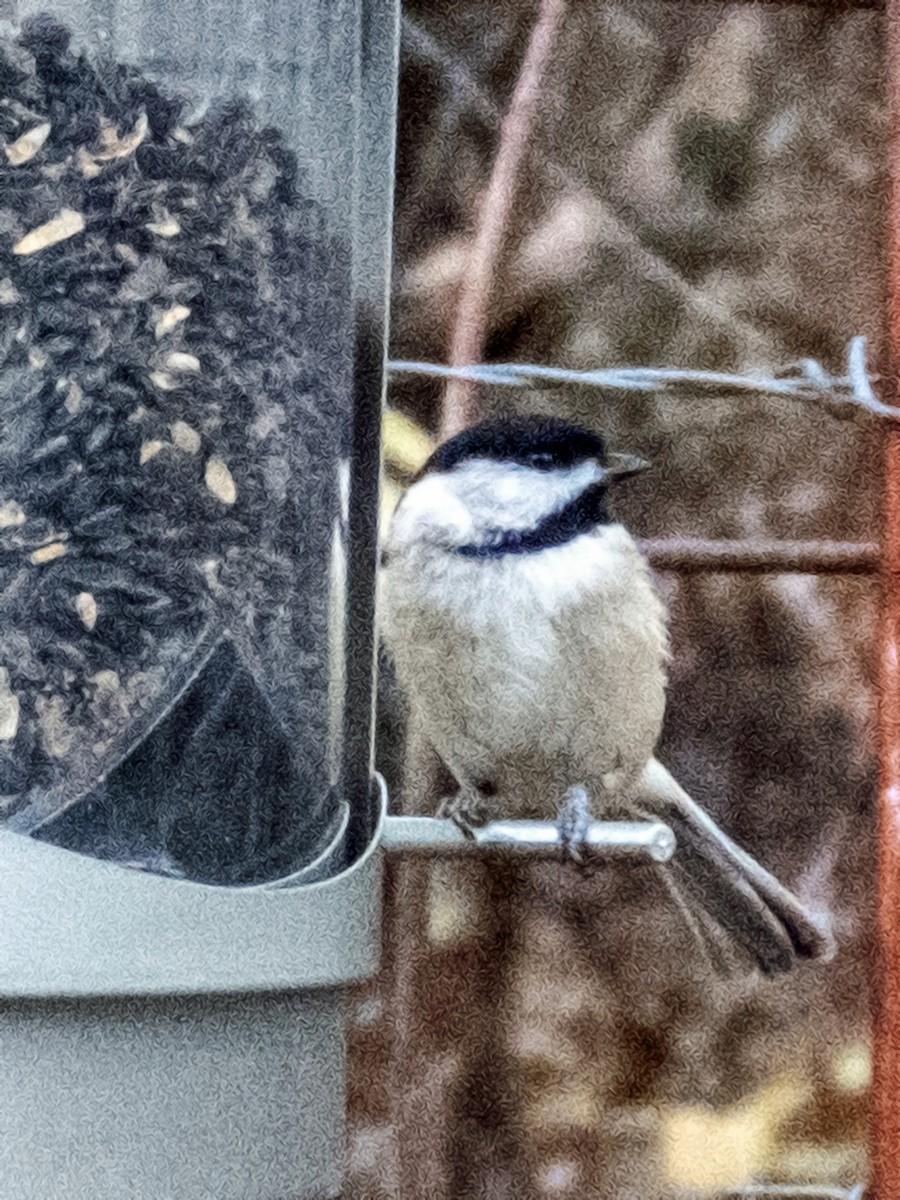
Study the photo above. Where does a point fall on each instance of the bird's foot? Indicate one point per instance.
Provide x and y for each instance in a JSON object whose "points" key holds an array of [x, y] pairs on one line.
{"points": [[572, 824], [469, 809]]}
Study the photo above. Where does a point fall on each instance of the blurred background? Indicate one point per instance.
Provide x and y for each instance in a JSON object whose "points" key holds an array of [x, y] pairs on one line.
{"points": [[703, 186]]}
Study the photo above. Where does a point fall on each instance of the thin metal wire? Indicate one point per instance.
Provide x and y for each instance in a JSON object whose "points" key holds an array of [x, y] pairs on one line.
{"points": [[842, 395]]}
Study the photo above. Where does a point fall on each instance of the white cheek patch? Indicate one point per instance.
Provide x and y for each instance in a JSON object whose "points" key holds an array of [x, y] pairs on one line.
{"points": [[431, 509], [480, 496], [509, 488], [513, 496]]}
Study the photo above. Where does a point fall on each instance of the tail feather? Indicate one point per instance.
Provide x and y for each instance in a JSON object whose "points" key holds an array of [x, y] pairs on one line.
{"points": [[700, 924], [745, 900]]}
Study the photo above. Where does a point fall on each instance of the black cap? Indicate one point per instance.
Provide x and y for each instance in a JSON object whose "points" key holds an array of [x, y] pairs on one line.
{"points": [[543, 443]]}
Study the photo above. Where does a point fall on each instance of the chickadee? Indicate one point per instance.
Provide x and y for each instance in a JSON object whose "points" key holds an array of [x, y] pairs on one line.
{"points": [[531, 644]]}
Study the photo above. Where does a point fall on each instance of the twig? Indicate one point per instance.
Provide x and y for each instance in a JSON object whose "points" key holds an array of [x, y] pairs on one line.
{"points": [[467, 337]]}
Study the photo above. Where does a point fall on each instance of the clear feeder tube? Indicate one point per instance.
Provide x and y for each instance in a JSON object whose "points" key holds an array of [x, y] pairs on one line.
{"points": [[194, 246]]}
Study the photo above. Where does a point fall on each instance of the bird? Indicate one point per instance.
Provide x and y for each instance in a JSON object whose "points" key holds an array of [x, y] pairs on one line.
{"points": [[531, 644]]}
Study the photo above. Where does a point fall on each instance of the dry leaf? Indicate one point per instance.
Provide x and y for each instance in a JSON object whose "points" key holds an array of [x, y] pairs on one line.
{"points": [[714, 1150]]}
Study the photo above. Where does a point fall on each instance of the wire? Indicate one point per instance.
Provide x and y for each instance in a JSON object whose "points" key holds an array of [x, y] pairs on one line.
{"points": [[842, 395]]}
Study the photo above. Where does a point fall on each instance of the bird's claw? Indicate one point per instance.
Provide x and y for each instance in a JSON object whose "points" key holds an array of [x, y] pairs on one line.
{"points": [[572, 824], [465, 813]]}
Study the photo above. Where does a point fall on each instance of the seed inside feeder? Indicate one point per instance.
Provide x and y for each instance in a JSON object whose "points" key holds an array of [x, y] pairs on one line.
{"points": [[57, 733], [11, 514], [9, 708], [185, 436], [74, 398], [167, 229], [9, 293], [177, 361], [220, 482], [86, 607], [120, 147], [24, 148], [48, 553], [66, 225], [183, 224], [106, 682], [150, 450], [164, 381], [171, 319]]}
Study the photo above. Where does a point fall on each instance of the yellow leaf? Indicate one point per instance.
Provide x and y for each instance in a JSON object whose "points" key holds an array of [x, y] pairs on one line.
{"points": [[709, 1150], [406, 446]]}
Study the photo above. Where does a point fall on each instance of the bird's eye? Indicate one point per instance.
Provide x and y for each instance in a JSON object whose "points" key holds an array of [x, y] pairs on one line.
{"points": [[541, 460]]}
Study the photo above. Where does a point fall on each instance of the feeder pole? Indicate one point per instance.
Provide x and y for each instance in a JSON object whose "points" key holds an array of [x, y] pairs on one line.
{"points": [[886, 1099]]}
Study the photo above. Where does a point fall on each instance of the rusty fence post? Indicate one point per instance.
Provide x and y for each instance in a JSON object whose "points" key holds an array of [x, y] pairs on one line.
{"points": [[886, 1097]]}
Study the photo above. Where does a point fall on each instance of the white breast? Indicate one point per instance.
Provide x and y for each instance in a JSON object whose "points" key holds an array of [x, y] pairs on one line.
{"points": [[533, 668]]}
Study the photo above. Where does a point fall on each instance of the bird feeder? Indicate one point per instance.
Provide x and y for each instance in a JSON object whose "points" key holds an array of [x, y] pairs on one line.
{"points": [[195, 241]]}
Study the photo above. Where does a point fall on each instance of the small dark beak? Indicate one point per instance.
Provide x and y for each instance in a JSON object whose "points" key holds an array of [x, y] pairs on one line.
{"points": [[621, 466]]}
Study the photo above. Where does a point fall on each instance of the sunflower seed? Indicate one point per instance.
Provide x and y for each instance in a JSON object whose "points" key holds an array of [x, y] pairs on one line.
{"points": [[185, 436], [66, 225], [150, 450], [48, 553], [9, 708], [170, 319], [86, 607], [177, 361], [220, 482], [11, 513], [24, 148]]}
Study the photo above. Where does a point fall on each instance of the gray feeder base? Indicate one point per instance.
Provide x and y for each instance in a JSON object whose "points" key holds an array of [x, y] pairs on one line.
{"points": [[179, 1098], [163, 1040]]}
